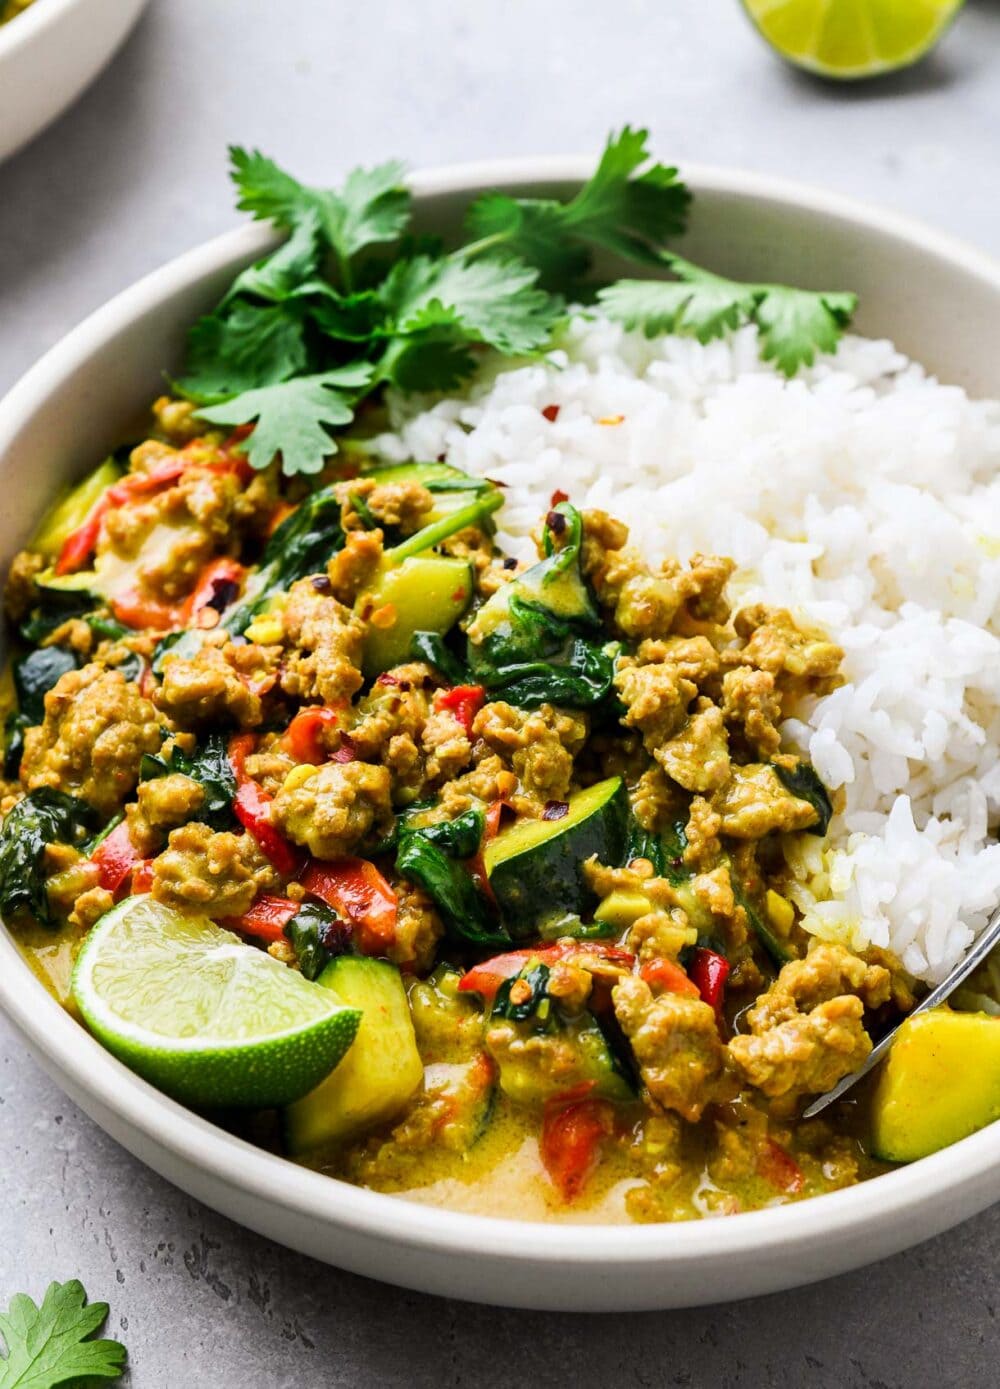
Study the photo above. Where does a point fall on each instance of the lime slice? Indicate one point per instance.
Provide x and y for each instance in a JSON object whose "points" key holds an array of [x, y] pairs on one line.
{"points": [[201, 1015], [850, 39]]}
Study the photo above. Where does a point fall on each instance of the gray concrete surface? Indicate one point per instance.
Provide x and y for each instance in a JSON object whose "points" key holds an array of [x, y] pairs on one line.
{"points": [[133, 175]]}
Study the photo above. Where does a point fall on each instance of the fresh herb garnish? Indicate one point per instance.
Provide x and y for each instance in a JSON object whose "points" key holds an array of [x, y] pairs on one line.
{"points": [[52, 1344], [305, 334], [794, 324]]}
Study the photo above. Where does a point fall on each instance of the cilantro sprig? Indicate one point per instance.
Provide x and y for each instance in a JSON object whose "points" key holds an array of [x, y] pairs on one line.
{"points": [[53, 1344], [794, 324], [351, 302]]}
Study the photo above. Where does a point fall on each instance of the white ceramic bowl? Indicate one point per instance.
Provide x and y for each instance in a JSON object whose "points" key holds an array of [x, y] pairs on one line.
{"points": [[940, 302], [49, 54]]}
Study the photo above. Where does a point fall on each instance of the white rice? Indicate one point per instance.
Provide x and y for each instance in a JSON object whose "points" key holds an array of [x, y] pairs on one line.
{"points": [[862, 493]]}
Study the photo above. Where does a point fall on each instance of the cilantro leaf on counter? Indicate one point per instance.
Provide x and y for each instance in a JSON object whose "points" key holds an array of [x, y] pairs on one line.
{"points": [[794, 324], [51, 1344], [291, 417], [619, 208]]}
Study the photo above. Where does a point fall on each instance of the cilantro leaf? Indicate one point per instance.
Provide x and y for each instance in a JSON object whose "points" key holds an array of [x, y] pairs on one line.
{"points": [[290, 417], [50, 1345], [494, 300], [279, 275], [623, 210], [428, 362], [245, 347], [371, 206], [794, 324]]}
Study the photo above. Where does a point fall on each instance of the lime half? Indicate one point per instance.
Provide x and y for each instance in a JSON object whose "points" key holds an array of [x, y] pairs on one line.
{"points": [[201, 1015], [851, 39]]}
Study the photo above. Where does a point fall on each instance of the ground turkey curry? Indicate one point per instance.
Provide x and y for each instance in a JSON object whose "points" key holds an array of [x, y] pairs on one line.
{"points": [[531, 820]]}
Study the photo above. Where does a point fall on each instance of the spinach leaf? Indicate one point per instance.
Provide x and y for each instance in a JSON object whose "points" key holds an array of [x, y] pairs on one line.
{"points": [[804, 784], [318, 935], [430, 647], [459, 838], [43, 817], [464, 910], [643, 844], [35, 675], [210, 767], [537, 979], [539, 637], [301, 545], [13, 744], [580, 681]]}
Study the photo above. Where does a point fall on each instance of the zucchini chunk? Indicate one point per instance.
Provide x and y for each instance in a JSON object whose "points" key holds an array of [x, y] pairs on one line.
{"points": [[939, 1083], [535, 867], [381, 1070], [70, 511], [426, 593], [584, 1059]]}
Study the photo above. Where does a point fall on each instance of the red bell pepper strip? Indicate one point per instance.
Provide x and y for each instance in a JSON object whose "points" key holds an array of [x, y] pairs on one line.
{"points": [[78, 546], [218, 573], [115, 857], [668, 977], [357, 891], [266, 919], [136, 610], [252, 808], [464, 701], [304, 735], [709, 971], [81, 543], [570, 1141], [780, 1168], [486, 978], [142, 877]]}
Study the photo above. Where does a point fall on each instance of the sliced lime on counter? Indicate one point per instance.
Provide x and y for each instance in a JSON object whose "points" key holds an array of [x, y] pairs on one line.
{"points": [[203, 1016], [852, 39]]}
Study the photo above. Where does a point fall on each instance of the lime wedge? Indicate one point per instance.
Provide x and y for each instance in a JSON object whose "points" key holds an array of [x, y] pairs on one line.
{"points": [[851, 39], [210, 1020]]}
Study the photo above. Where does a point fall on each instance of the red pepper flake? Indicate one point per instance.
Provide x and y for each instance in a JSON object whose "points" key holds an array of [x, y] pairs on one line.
{"points": [[347, 751], [558, 496], [464, 701], [551, 413], [555, 810]]}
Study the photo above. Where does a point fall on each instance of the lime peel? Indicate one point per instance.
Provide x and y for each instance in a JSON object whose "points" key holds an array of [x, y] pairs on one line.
{"points": [[852, 39], [210, 1020]]}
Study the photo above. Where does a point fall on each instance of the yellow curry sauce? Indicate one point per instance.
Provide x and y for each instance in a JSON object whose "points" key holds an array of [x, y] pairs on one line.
{"points": [[554, 797]]}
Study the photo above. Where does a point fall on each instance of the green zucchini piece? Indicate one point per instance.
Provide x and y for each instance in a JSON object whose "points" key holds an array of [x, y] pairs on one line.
{"points": [[528, 1079], [555, 585], [381, 1070], [535, 867], [73, 592], [440, 478], [70, 510], [428, 593]]}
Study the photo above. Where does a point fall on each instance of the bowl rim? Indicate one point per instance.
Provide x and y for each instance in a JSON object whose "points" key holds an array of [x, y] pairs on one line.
{"points": [[75, 1055], [23, 28]]}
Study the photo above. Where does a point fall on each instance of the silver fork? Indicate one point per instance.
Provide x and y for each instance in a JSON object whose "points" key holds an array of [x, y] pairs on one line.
{"points": [[980, 948]]}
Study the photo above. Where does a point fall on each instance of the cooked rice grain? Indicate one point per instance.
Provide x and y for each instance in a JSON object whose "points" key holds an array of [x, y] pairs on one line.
{"points": [[864, 493]]}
